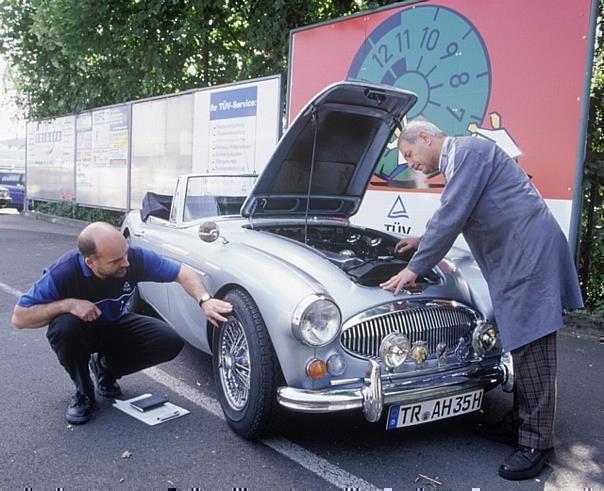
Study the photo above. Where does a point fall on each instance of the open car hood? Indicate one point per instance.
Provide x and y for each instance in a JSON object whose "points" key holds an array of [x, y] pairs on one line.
{"points": [[348, 125]]}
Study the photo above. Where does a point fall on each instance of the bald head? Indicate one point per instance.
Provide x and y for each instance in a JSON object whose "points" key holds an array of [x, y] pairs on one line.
{"points": [[105, 250], [94, 233]]}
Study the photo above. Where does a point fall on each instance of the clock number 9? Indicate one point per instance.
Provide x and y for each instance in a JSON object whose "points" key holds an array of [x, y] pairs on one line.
{"points": [[451, 50], [459, 79]]}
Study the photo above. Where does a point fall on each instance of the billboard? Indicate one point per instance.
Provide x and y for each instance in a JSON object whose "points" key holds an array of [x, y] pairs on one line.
{"points": [[236, 126], [50, 159], [102, 157], [515, 72], [162, 144]]}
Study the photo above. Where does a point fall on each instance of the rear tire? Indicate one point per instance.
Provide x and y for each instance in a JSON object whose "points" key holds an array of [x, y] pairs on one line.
{"points": [[246, 369]]}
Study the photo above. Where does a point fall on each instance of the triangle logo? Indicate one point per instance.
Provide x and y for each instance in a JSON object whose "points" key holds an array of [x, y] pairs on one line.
{"points": [[398, 209]]}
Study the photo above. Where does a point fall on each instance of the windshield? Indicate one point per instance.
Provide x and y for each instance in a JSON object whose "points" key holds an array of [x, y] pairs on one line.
{"points": [[210, 196], [12, 179]]}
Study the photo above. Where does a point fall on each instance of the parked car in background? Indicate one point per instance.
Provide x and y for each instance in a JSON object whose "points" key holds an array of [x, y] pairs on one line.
{"points": [[5, 198], [311, 329], [15, 182]]}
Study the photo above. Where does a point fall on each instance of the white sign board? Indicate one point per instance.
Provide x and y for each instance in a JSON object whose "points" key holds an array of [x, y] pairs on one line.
{"points": [[236, 127], [102, 157], [50, 159]]}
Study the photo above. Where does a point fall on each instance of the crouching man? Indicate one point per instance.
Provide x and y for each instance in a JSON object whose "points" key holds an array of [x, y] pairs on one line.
{"points": [[83, 298]]}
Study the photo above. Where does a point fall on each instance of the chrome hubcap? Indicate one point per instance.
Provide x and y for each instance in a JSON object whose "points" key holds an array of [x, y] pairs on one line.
{"points": [[234, 364]]}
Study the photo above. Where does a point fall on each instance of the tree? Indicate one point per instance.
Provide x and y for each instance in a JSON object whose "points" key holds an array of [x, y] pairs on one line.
{"points": [[592, 250], [71, 55]]}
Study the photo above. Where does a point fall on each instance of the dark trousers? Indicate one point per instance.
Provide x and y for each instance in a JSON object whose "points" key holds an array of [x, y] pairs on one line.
{"points": [[128, 345], [535, 393]]}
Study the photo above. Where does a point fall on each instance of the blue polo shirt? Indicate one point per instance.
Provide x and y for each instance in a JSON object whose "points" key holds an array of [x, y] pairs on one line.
{"points": [[70, 277]]}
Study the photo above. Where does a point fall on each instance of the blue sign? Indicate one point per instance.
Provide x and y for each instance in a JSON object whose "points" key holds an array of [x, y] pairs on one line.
{"points": [[235, 103]]}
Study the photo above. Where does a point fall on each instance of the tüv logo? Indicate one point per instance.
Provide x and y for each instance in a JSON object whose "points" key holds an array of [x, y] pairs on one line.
{"points": [[398, 209]]}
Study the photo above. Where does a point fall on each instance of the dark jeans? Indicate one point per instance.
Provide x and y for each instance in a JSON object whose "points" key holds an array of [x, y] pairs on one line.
{"points": [[128, 345]]}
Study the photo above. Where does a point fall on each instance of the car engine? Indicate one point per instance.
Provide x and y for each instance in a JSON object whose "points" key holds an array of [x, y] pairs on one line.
{"points": [[366, 255]]}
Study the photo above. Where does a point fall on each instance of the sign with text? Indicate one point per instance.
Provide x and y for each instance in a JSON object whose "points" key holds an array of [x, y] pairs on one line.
{"points": [[102, 157], [236, 127], [50, 159]]}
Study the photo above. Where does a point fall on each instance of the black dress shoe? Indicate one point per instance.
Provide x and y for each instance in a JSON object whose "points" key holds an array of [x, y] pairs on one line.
{"points": [[524, 463], [106, 385], [80, 408], [498, 432]]}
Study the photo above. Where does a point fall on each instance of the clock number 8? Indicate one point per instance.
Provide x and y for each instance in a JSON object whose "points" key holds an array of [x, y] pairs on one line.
{"points": [[459, 79]]}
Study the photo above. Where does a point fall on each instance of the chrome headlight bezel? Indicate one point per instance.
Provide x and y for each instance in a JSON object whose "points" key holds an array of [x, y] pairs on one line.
{"points": [[310, 334], [484, 337]]}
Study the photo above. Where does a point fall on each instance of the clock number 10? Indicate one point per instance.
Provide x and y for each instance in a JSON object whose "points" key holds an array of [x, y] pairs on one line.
{"points": [[429, 38]]}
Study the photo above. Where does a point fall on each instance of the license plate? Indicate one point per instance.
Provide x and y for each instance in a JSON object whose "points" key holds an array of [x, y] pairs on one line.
{"points": [[426, 411]]}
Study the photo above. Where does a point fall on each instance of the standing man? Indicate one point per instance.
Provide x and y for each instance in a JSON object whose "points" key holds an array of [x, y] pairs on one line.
{"points": [[83, 298], [525, 259]]}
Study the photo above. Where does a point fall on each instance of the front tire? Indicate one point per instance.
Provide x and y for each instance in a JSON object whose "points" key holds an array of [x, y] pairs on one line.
{"points": [[246, 369]]}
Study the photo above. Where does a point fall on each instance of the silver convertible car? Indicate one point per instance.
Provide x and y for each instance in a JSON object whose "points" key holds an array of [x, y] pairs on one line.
{"points": [[311, 330]]}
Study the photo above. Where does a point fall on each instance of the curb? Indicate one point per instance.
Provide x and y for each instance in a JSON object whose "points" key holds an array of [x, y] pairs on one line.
{"points": [[74, 222]]}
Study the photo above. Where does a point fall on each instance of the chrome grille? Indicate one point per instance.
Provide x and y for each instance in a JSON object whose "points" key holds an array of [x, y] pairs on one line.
{"points": [[430, 322]]}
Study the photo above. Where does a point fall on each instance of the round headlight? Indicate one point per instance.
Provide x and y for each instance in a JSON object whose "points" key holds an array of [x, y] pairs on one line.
{"points": [[316, 321], [394, 349], [484, 337]]}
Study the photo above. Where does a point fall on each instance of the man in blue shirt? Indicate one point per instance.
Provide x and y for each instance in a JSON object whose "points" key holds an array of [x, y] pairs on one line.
{"points": [[84, 298]]}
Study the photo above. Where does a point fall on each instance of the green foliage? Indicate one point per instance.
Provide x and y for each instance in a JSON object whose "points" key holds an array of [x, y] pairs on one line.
{"points": [[69, 209], [71, 55], [592, 253]]}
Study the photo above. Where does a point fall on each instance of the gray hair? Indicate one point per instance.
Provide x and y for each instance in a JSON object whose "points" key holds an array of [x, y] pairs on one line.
{"points": [[411, 130]]}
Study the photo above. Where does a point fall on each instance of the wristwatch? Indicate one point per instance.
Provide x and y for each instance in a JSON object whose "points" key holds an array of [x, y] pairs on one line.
{"points": [[204, 298]]}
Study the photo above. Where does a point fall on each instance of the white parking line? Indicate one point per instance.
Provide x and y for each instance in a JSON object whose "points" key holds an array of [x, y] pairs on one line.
{"points": [[10, 290], [307, 459]]}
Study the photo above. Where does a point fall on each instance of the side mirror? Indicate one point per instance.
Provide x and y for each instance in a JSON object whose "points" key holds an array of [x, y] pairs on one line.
{"points": [[209, 232]]}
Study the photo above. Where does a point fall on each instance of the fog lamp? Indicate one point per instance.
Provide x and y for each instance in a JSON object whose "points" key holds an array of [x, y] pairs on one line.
{"points": [[316, 369], [484, 337], [394, 349], [336, 365]]}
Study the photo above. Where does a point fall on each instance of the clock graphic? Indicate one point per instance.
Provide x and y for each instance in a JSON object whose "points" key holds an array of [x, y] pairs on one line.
{"points": [[438, 54]]}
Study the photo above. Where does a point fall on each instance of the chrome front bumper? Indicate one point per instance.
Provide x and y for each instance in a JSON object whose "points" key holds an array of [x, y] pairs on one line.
{"points": [[378, 390]]}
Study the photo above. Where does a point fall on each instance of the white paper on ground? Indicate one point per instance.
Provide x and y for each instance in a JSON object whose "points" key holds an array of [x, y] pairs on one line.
{"points": [[166, 412]]}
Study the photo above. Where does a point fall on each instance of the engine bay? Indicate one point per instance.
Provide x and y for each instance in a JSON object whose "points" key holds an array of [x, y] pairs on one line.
{"points": [[366, 255]]}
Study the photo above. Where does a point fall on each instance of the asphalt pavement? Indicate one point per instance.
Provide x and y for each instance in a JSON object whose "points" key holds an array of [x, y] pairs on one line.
{"points": [[40, 449]]}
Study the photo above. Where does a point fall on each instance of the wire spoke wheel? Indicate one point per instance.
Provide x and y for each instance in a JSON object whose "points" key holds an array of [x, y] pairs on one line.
{"points": [[234, 364], [246, 369]]}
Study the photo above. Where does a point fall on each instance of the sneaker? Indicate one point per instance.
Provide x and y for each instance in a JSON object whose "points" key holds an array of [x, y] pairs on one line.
{"points": [[80, 408], [524, 463], [498, 432], [105, 383]]}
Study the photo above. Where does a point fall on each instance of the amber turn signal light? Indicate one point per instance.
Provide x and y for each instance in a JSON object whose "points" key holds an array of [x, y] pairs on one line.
{"points": [[316, 369]]}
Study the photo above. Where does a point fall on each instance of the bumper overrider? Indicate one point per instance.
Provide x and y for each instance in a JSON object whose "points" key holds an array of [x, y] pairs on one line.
{"points": [[379, 389]]}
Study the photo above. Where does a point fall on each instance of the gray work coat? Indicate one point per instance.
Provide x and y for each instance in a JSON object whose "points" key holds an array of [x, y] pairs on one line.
{"points": [[517, 243]]}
